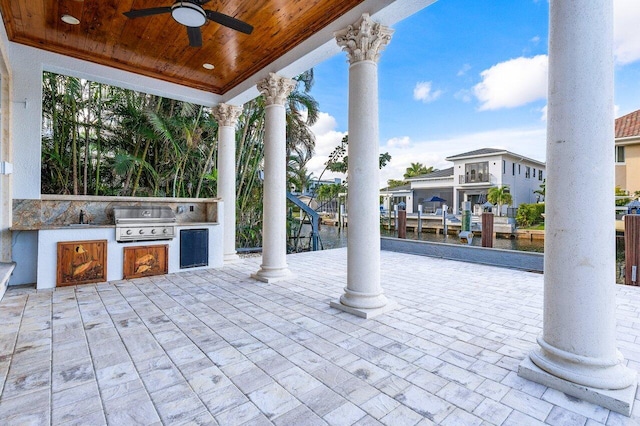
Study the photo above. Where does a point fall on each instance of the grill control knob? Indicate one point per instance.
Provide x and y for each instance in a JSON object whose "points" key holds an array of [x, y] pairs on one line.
{"points": [[153, 231], [164, 231], [128, 232], [141, 231]]}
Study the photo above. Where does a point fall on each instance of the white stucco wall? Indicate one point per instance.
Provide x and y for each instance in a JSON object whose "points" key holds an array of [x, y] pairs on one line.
{"points": [[522, 188], [26, 118]]}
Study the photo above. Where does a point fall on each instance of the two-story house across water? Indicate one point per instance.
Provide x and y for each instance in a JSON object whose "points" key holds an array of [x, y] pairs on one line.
{"points": [[470, 178], [627, 152]]}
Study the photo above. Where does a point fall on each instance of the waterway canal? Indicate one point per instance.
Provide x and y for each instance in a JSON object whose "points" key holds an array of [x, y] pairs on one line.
{"points": [[334, 237]]}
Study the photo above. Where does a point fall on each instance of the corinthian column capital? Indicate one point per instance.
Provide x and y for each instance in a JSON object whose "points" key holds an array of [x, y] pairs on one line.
{"points": [[227, 115], [276, 88], [364, 40]]}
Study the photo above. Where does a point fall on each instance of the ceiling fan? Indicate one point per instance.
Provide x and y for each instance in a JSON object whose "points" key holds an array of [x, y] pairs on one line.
{"points": [[191, 14]]}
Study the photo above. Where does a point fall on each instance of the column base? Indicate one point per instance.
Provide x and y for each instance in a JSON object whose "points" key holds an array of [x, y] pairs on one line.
{"points": [[361, 300], [366, 313], [272, 275], [230, 257], [620, 400]]}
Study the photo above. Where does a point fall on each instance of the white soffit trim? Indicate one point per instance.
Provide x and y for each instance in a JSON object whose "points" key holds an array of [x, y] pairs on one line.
{"points": [[630, 140]]}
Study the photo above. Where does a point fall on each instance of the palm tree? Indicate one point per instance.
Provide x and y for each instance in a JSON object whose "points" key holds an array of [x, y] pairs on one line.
{"points": [[417, 169], [499, 195], [302, 113], [542, 190], [297, 174]]}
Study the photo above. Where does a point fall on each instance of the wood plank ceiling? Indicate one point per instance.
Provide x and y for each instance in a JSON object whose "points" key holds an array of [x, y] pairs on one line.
{"points": [[158, 46]]}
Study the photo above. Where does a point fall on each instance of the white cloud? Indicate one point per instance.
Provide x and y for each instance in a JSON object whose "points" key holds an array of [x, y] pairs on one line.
{"points": [[423, 92], [528, 142], [535, 40], [403, 142], [327, 138], [626, 15], [513, 83], [463, 70], [543, 112], [463, 95]]}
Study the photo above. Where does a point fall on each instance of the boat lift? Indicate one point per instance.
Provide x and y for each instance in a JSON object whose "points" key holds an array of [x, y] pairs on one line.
{"points": [[315, 219]]}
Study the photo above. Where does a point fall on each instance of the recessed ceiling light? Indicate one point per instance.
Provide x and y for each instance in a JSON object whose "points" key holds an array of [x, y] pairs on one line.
{"points": [[208, 66], [70, 19]]}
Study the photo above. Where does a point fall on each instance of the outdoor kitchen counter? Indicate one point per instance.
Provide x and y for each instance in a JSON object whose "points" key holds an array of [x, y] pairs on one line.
{"points": [[39, 225], [48, 239]]}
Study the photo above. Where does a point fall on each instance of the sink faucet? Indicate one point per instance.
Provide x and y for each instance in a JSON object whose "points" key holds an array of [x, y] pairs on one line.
{"points": [[81, 216]]}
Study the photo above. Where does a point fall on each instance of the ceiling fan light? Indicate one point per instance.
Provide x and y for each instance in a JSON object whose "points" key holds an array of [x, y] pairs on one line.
{"points": [[188, 14], [71, 20], [208, 66]]}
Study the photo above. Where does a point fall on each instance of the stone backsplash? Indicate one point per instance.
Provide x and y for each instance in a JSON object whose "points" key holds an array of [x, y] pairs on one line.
{"points": [[57, 210]]}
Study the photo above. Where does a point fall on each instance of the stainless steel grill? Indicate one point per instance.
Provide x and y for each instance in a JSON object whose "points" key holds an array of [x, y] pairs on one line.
{"points": [[144, 223]]}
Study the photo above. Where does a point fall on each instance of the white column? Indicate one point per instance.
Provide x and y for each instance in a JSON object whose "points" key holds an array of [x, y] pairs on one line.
{"points": [[456, 202], [577, 352], [363, 295], [227, 117], [274, 267]]}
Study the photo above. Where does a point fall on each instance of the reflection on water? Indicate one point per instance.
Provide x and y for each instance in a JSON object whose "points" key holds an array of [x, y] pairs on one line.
{"points": [[499, 243], [334, 237], [330, 236]]}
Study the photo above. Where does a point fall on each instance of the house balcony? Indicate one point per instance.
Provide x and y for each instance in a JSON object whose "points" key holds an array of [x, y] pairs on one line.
{"points": [[478, 180], [215, 347]]}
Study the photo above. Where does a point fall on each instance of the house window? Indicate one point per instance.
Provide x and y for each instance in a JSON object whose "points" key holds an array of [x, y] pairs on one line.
{"points": [[504, 167], [619, 154], [519, 169], [476, 172], [527, 172], [540, 176], [513, 169], [534, 172]]}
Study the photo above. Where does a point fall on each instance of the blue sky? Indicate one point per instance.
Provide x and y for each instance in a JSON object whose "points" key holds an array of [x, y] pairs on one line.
{"points": [[462, 75]]}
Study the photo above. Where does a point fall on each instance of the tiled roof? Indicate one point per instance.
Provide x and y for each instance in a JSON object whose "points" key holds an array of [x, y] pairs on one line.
{"points": [[483, 151], [437, 174], [628, 125], [490, 151], [397, 188]]}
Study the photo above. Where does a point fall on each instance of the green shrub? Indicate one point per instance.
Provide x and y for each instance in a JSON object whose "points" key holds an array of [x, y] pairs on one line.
{"points": [[530, 214]]}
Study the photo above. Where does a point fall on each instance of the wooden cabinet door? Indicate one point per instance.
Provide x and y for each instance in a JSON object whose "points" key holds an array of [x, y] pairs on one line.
{"points": [[81, 262], [143, 261]]}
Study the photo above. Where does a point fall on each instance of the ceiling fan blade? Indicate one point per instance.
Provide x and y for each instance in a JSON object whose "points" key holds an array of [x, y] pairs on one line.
{"points": [[195, 36], [140, 13], [228, 21]]}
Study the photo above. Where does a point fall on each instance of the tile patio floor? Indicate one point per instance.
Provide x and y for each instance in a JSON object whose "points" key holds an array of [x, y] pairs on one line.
{"points": [[215, 347]]}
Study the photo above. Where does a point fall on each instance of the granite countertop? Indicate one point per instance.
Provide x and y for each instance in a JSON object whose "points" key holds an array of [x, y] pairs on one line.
{"points": [[52, 227], [91, 226]]}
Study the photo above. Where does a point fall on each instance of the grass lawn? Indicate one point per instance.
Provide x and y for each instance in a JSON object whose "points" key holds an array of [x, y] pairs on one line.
{"points": [[538, 227]]}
